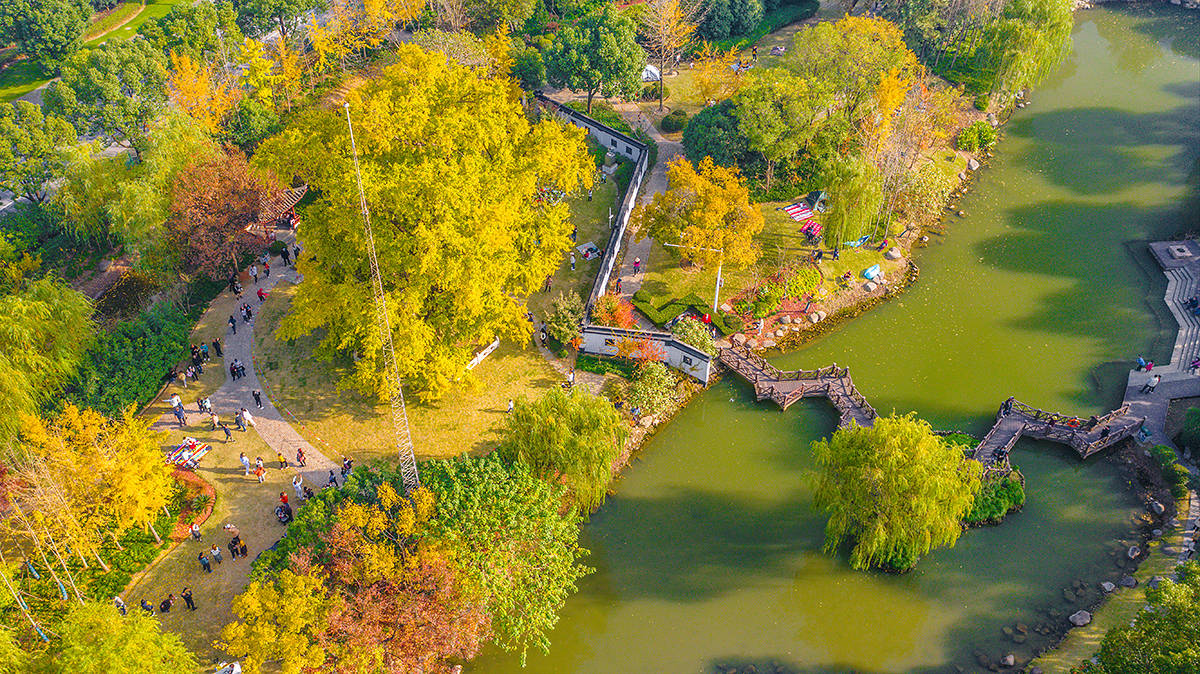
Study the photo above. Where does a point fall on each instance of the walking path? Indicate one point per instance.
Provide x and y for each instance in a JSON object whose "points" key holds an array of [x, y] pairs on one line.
{"points": [[234, 395], [655, 183]]}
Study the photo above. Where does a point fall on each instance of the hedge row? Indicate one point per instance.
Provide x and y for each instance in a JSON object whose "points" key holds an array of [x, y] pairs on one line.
{"points": [[726, 323]]}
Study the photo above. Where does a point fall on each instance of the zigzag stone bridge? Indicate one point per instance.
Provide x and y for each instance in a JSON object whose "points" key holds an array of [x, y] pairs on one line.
{"points": [[1014, 419]]}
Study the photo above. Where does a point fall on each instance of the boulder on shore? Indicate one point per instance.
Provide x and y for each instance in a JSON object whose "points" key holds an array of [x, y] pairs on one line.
{"points": [[892, 253], [768, 343], [1128, 581], [785, 320], [1134, 551], [739, 338], [1157, 507], [1107, 586], [1080, 618], [973, 164], [1008, 660]]}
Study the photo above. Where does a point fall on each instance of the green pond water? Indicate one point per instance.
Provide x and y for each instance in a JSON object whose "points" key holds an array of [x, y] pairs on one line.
{"points": [[709, 554]]}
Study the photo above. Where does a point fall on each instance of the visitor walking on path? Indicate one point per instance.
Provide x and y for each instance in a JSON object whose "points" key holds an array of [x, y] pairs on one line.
{"points": [[300, 457], [204, 563], [254, 273], [216, 344], [225, 430], [298, 485], [233, 324], [257, 398], [195, 528], [120, 604], [245, 461], [1141, 363], [215, 552], [1150, 385], [187, 598]]}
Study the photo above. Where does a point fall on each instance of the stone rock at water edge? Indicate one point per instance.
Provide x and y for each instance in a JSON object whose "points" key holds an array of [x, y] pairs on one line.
{"points": [[1080, 618]]}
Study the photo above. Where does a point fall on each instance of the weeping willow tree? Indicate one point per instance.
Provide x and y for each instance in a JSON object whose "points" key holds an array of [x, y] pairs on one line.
{"points": [[894, 490], [1027, 42], [855, 197]]}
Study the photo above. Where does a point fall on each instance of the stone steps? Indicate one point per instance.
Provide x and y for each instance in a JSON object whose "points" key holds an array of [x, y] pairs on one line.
{"points": [[1181, 286]]}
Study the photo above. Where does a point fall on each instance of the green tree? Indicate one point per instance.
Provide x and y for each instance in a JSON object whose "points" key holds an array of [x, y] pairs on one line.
{"points": [[894, 489], [857, 198], [851, 56], [777, 113], [599, 54], [528, 68], [107, 200], [279, 621], [511, 540], [571, 439], [451, 190], [250, 123], [13, 659], [29, 143], [44, 329], [653, 388], [44, 29], [112, 91], [260, 17], [714, 133], [565, 317], [201, 31], [1165, 638], [98, 640]]}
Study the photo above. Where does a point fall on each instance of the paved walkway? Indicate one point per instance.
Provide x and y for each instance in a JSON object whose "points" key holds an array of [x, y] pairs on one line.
{"points": [[234, 395], [655, 183], [1183, 283]]}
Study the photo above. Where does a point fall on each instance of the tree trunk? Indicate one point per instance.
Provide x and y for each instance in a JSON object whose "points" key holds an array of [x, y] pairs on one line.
{"points": [[154, 531], [282, 28], [116, 540], [101, 560], [662, 68], [590, 94]]}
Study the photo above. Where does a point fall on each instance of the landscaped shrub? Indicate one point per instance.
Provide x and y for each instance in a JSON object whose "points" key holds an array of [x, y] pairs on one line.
{"points": [[767, 299], [1174, 475], [650, 91], [981, 102], [1190, 435], [694, 333], [602, 365], [726, 323], [653, 388], [997, 498], [613, 311], [127, 363], [803, 281], [979, 135], [528, 68], [675, 121]]}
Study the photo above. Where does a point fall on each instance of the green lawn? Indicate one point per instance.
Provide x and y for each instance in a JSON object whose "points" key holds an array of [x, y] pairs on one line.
{"points": [[466, 420], [591, 217], [154, 9], [119, 16], [668, 278], [19, 79]]}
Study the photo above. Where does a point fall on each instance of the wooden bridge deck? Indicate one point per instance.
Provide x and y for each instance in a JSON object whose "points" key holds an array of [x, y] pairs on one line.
{"points": [[1014, 420], [1086, 436], [785, 388]]}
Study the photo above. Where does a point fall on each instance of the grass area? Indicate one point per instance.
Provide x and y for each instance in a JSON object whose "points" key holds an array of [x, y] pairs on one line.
{"points": [[117, 17], [466, 421], [19, 78], [153, 9], [591, 217], [782, 244], [240, 500]]}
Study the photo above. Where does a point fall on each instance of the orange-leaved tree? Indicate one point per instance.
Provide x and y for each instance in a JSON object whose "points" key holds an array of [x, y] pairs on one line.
{"points": [[213, 205]]}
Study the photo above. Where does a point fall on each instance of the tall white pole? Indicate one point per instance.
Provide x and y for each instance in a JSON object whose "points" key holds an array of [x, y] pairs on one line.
{"points": [[404, 446]]}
